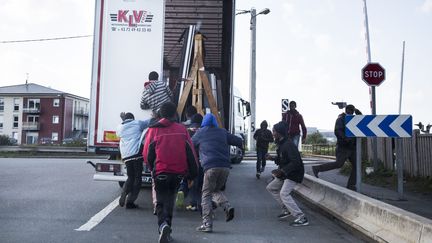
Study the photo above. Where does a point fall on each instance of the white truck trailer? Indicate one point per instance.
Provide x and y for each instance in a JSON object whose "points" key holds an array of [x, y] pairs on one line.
{"points": [[133, 38]]}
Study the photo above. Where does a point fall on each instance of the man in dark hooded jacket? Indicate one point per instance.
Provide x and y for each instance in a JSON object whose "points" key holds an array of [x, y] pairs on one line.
{"points": [[290, 171], [345, 149], [263, 137], [213, 145]]}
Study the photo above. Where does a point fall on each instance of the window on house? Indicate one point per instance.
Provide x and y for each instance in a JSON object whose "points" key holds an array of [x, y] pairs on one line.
{"points": [[55, 119], [34, 103], [54, 136], [1, 122], [32, 118], [1, 104], [15, 121], [56, 102], [16, 104]]}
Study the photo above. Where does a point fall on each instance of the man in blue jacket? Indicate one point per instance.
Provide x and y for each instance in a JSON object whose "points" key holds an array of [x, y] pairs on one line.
{"points": [[213, 145], [130, 132]]}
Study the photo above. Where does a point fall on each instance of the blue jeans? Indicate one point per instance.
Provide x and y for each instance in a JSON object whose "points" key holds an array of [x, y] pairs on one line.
{"points": [[295, 139], [261, 159]]}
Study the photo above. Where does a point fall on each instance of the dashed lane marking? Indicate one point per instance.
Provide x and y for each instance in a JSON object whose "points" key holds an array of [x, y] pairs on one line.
{"points": [[97, 218]]}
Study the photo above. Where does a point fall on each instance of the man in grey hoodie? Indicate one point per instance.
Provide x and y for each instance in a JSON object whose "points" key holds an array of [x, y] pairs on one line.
{"points": [[130, 132]]}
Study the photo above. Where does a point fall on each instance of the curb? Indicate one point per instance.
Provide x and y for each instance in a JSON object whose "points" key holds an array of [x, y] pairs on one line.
{"points": [[374, 219]]}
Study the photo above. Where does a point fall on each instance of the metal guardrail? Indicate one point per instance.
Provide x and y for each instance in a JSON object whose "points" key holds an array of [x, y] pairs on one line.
{"points": [[31, 110], [30, 126], [319, 149]]}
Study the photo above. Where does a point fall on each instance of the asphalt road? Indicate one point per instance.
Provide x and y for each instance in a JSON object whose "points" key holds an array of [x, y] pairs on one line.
{"points": [[46, 200]]}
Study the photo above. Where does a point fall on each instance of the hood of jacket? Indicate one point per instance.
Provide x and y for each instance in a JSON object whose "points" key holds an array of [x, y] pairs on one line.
{"points": [[209, 120], [163, 122], [264, 124]]}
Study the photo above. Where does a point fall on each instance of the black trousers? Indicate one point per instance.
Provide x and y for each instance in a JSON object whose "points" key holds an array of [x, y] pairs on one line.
{"points": [[166, 186], [132, 185], [261, 158], [342, 155]]}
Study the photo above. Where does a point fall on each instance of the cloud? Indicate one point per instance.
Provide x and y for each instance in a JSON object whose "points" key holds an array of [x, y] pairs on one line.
{"points": [[288, 9], [322, 41], [427, 6]]}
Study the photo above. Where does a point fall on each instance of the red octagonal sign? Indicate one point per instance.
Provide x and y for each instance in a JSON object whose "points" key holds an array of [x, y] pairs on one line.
{"points": [[373, 74]]}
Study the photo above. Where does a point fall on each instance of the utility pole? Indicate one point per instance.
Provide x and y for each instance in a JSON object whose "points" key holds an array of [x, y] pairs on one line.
{"points": [[252, 85]]}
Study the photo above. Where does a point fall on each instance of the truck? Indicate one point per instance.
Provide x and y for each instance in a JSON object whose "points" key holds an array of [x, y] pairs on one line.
{"points": [[133, 38]]}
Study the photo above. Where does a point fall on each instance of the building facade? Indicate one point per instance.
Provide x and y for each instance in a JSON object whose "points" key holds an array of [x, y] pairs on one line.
{"points": [[34, 114]]}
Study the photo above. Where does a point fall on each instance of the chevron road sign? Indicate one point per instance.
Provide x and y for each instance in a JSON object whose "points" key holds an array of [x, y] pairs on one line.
{"points": [[396, 126]]}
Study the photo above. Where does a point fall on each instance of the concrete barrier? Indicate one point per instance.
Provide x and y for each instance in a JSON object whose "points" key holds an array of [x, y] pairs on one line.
{"points": [[377, 220]]}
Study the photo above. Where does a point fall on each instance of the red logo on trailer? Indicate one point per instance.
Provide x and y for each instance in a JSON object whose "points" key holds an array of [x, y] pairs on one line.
{"points": [[373, 74]]}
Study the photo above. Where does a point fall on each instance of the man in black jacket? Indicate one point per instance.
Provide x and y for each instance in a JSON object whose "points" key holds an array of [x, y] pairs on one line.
{"points": [[263, 137], [290, 171], [345, 149]]}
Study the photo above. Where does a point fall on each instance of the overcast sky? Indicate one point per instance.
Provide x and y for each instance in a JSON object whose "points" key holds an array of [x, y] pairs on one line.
{"points": [[308, 51]]}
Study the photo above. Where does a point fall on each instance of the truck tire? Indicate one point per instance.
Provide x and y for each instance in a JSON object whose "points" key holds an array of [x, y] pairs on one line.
{"points": [[121, 183]]}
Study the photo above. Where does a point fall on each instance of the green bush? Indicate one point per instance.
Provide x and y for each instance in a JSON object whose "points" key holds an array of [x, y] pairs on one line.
{"points": [[315, 138], [5, 140]]}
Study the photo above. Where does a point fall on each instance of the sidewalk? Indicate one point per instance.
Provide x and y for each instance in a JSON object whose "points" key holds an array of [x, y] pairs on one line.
{"points": [[417, 203]]}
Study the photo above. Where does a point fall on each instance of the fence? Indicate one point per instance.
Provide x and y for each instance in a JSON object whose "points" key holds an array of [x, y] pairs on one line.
{"points": [[319, 149]]}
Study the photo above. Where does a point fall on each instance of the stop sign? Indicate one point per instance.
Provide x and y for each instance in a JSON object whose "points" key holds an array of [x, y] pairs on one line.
{"points": [[373, 74]]}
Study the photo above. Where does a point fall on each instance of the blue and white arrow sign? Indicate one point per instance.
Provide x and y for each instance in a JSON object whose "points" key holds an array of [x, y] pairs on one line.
{"points": [[396, 126]]}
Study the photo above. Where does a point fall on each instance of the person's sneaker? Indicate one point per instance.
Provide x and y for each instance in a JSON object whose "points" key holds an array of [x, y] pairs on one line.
{"points": [[229, 214], [284, 215], [352, 187], [180, 200], [205, 228], [258, 175], [315, 171], [300, 221], [131, 206], [122, 199], [191, 208], [262, 169], [164, 235]]}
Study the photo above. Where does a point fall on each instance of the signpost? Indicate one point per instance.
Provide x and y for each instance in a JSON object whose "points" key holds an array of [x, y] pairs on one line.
{"points": [[395, 126], [285, 105], [373, 74]]}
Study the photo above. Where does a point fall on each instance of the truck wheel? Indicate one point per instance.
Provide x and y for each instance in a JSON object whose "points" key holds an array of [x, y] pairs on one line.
{"points": [[121, 183]]}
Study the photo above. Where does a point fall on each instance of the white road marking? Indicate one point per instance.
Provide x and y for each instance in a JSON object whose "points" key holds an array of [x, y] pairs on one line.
{"points": [[95, 220]]}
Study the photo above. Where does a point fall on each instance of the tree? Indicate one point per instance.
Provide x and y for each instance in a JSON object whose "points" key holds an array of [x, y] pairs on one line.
{"points": [[5, 140], [315, 138]]}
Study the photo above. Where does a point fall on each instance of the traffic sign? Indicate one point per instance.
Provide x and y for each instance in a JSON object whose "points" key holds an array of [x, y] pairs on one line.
{"points": [[285, 105], [373, 74], [395, 126]]}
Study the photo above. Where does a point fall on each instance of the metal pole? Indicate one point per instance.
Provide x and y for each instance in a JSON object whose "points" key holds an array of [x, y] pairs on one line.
{"points": [[399, 168], [371, 89], [399, 152], [402, 73], [252, 86], [358, 165]]}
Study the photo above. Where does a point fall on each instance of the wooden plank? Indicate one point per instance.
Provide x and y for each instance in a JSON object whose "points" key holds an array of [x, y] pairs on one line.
{"points": [[211, 100], [187, 88]]}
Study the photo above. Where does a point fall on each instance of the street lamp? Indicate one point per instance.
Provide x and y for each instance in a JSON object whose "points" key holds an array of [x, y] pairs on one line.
{"points": [[252, 85]]}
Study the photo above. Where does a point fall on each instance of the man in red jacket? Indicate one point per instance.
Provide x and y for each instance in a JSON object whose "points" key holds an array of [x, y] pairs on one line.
{"points": [[169, 153], [294, 120]]}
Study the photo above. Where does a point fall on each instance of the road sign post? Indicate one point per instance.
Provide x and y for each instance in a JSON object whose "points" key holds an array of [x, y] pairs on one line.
{"points": [[373, 74], [285, 105]]}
